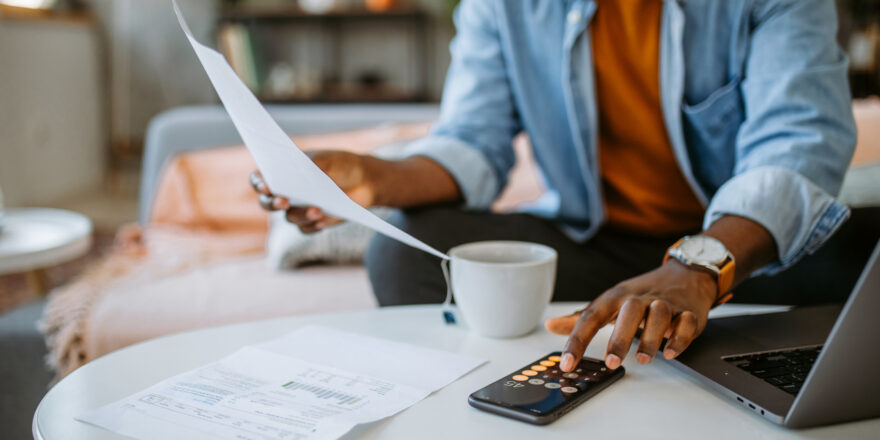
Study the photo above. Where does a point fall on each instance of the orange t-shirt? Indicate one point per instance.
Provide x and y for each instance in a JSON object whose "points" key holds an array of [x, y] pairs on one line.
{"points": [[644, 188]]}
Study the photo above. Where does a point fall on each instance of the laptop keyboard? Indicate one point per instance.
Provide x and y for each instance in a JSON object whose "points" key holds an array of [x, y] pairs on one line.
{"points": [[784, 369]]}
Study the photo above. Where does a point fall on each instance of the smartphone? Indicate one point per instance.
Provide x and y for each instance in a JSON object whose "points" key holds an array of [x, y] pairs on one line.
{"points": [[540, 392]]}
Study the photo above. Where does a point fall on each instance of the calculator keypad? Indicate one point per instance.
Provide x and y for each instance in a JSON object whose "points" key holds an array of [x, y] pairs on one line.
{"points": [[541, 391], [545, 373]]}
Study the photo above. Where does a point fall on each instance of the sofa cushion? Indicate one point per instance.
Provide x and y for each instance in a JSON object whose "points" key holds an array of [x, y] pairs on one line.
{"points": [[207, 189], [867, 114], [861, 186]]}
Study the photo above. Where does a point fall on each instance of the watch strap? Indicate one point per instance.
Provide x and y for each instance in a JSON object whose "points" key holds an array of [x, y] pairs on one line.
{"points": [[724, 278]]}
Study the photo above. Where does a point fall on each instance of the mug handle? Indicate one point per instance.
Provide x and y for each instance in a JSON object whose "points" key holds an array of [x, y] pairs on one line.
{"points": [[448, 316]]}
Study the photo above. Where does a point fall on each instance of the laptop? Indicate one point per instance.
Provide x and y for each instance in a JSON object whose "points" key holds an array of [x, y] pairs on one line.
{"points": [[808, 366]]}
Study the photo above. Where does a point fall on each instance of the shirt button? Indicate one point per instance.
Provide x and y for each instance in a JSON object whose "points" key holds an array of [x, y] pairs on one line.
{"points": [[574, 16]]}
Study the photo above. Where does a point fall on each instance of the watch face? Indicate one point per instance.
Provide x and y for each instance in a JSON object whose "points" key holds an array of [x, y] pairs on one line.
{"points": [[702, 249]]}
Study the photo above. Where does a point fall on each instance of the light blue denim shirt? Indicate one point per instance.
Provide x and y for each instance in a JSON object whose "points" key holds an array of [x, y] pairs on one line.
{"points": [[754, 95]]}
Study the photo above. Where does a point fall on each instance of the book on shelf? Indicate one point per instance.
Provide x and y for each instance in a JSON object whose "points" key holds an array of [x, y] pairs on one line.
{"points": [[237, 44]]}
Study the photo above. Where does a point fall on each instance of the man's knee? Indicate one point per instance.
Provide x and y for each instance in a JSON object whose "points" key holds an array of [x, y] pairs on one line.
{"points": [[401, 274], [386, 255]]}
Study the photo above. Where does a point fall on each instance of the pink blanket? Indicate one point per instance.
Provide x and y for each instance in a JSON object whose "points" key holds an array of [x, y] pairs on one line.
{"points": [[204, 213]]}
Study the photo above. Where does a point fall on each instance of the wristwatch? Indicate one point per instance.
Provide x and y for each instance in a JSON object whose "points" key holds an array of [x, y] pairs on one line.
{"points": [[707, 254]]}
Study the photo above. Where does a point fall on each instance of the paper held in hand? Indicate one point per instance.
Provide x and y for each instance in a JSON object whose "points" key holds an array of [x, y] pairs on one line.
{"points": [[314, 383], [287, 170]]}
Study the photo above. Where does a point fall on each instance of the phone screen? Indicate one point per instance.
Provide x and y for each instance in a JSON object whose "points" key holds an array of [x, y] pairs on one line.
{"points": [[541, 388]]}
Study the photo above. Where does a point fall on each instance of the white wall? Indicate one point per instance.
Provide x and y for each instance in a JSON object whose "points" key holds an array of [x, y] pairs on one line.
{"points": [[52, 137], [152, 66]]}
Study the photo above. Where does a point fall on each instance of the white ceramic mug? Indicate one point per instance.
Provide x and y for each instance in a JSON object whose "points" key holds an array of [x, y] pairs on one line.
{"points": [[502, 287]]}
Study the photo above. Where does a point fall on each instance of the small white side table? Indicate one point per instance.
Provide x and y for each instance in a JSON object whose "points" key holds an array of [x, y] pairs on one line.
{"points": [[32, 239]]}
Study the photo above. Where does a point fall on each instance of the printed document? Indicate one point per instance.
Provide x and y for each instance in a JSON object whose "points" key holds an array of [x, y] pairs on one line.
{"points": [[314, 383], [287, 170]]}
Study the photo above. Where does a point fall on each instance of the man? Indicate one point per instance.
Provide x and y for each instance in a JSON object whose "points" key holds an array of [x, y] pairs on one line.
{"points": [[651, 120]]}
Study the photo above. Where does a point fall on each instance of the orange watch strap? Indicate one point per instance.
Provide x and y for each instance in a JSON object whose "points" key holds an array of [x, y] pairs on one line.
{"points": [[677, 244], [725, 282], [725, 277]]}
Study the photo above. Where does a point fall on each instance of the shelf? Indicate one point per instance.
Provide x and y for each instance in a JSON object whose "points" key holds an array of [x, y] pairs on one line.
{"points": [[296, 14], [242, 23], [337, 94], [15, 13]]}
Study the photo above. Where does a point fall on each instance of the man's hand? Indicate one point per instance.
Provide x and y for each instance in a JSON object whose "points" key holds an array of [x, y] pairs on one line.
{"points": [[349, 171], [369, 181], [670, 302]]}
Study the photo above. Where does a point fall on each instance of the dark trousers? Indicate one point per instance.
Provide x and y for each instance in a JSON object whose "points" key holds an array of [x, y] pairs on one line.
{"points": [[402, 275]]}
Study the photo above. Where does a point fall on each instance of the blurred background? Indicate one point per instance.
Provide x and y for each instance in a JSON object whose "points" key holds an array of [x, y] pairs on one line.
{"points": [[81, 80]]}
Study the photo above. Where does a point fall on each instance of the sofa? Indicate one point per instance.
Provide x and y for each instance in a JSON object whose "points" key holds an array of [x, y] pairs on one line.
{"points": [[205, 276]]}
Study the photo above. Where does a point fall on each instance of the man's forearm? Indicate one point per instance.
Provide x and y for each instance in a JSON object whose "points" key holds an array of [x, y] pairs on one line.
{"points": [[411, 182], [750, 243]]}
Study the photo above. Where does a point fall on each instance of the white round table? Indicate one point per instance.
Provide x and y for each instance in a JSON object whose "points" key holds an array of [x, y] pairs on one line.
{"points": [[651, 401], [32, 239]]}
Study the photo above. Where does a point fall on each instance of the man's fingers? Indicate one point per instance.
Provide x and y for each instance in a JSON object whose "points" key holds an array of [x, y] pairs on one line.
{"points": [[683, 333], [257, 183], [280, 203], [310, 219], [270, 202], [656, 325], [304, 215], [589, 322], [266, 201], [319, 225], [562, 325], [631, 315]]}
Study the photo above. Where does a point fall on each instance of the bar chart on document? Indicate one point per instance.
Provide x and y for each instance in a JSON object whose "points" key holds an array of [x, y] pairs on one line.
{"points": [[311, 395], [324, 393], [320, 387]]}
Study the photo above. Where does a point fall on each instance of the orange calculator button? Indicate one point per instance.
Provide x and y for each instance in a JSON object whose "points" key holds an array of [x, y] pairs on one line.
{"points": [[539, 368], [555, 358], [520, 377], [548, 363], [530, 373]]}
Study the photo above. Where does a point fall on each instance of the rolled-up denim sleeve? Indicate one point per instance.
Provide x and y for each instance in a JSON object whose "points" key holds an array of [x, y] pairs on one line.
{"points": [[799, 134], [478, 120]]}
